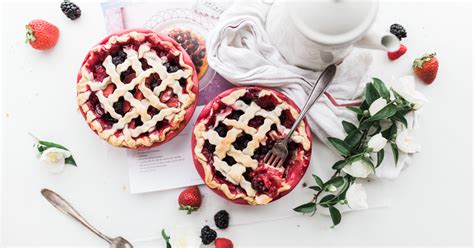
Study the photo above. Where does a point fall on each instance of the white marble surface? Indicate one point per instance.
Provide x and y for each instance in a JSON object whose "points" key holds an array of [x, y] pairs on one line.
{"points": [[431, 200]]}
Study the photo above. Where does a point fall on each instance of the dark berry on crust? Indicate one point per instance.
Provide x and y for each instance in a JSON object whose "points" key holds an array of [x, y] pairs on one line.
{"points": [[208, 235], [258, 185], [70, 9], [398, 30], [221, 219]]}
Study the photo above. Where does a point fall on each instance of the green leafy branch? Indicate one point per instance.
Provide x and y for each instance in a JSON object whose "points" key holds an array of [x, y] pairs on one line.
{"points": [[354, 147]]}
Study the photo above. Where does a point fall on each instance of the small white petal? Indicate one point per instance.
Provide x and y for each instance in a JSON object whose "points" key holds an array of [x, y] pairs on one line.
{"points": [[406, 141], [359, 169], [377, 142], [54, 168], [356, 197], [377, 105], [405, 87]]}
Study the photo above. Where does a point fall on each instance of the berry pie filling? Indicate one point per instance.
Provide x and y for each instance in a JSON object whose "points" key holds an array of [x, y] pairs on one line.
{"points": [[135, 88], [195, 46], [235, 133]]}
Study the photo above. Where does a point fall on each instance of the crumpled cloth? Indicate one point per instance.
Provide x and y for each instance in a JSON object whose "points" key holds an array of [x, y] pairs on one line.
{"points": [[240, 51]]}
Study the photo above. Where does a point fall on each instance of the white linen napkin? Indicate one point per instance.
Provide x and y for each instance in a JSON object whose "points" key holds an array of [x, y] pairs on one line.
{"points": [[240, 51]]}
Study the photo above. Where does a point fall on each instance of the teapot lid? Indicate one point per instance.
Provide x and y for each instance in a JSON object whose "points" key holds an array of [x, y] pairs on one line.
{"points": [[333, 22]]}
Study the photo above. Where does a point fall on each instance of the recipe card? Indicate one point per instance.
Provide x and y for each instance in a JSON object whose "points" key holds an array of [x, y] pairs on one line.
{"points": [[164, 167]]}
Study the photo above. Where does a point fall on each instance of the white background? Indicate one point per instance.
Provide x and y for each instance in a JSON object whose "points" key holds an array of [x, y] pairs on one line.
{"points": [[432, 200]]}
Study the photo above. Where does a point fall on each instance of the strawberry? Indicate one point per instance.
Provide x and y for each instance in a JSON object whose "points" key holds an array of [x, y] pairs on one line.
{"points": [[426, 67], [397, 54], [109, 90], [224, 243], [190, 199], [41, 34]]}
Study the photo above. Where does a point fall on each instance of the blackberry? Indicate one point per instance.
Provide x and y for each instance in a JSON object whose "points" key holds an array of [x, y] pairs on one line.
{"points": [[221, 129], [119, 58], [258, 185], [118, 106], [208, 235], [398, 30], [70, 9], [221, 219]]}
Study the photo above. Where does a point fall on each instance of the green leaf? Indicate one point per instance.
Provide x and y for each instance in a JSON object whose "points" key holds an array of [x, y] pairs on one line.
{"points": [[378, 127], [364, 106], [318, 181], [366, 124], [381, 88], [166, 238], [355, 110], [70, 160], [400, 118], [348, 127], [380, 156], [371, 93], [395, 152], [309, 207], [341, 146], [315, 188], [353, 139], [369, 162], [51, 144], [339, 165], [335, 216], [326, 201], [390, 132], [41, 148], [386, 112], [336, 181]]}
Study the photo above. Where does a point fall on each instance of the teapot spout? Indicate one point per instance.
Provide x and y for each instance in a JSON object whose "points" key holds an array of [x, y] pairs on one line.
{"points": [[382, 41]]}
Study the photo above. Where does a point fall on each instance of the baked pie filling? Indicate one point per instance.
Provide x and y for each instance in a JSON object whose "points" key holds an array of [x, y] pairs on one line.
{"points": [[137, 88], [233, 134]]}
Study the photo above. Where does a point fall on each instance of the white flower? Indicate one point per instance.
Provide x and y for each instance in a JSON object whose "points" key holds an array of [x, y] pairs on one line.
{"points": [[358, 168], [185, 237], [356, 197], [377, 105], [405, 87], [406, 141], [332, 188], [377, 142], [54, 159]]}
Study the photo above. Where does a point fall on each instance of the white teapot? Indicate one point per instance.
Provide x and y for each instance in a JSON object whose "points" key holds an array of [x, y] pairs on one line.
{"points": [[315, 34]]}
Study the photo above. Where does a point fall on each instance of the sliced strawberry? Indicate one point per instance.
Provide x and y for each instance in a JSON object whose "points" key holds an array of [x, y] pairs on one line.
{"points": [[138, 95], [126, 106], [129, 78], [109, 90], [397, 54], [166, 95], [173, 102]]}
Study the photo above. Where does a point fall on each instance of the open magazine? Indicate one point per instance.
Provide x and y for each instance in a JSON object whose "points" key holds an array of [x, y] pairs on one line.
{"points": [[149, 169]]}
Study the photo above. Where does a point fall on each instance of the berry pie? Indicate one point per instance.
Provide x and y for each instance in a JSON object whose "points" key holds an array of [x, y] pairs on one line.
{"points": [[137, 89], [232, 135], [195, 46]]}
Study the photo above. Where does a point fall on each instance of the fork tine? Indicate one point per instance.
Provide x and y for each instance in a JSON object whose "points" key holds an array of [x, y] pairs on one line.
{"points": [[267, 157], [272, 157], [275, 162], [280, 164]]}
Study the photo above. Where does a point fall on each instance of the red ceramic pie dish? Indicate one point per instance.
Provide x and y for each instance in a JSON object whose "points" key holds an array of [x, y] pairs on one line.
{"points": [[229, 156], [123, 90]]}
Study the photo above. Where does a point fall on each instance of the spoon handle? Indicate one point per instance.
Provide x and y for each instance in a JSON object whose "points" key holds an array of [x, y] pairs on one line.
{"points": [[318, 89], [63, 206]]}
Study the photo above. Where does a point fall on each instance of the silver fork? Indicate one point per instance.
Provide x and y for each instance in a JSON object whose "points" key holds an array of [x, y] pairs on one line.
{"points": [[277, 155]]}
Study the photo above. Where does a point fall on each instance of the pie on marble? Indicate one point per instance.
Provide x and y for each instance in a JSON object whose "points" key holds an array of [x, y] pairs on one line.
{"points": [[232, 135], [137, 89]]}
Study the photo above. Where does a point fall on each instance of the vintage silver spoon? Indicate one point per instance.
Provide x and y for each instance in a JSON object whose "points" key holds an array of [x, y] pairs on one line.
{"points": [[67, 209]]}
